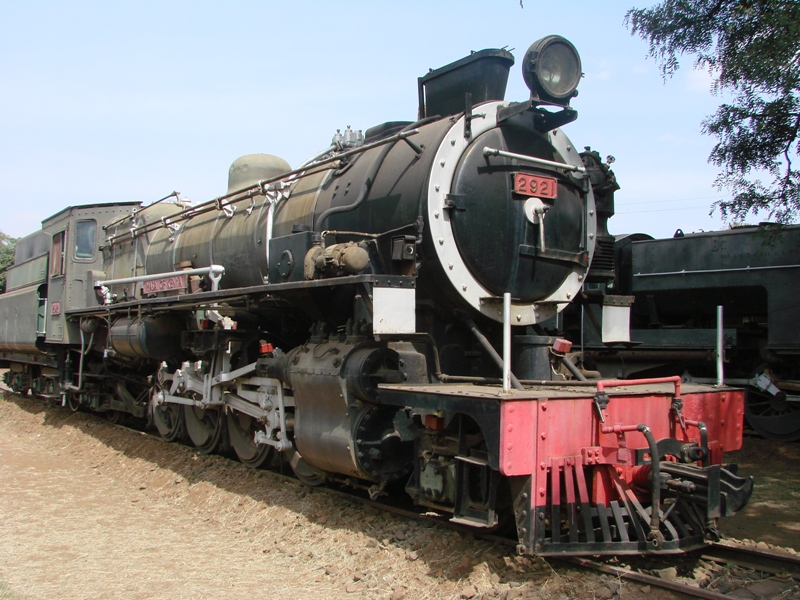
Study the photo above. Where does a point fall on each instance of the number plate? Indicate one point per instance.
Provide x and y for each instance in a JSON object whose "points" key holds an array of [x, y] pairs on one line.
{"points": [[533, 185], [165, 284]]}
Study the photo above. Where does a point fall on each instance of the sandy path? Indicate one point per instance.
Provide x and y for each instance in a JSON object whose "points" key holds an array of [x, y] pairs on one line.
{"points": [[88, 510]]}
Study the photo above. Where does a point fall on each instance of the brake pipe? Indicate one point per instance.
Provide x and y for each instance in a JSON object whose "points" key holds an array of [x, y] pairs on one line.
{"points": [[655, 469], [703, 439], [602, 385]]}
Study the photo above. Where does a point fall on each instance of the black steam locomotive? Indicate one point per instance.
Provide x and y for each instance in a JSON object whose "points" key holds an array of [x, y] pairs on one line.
{"points": [[344, 317], [712, 307]]}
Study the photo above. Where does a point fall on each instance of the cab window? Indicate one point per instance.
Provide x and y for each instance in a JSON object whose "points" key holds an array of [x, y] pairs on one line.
{"points": [[84, 239]]}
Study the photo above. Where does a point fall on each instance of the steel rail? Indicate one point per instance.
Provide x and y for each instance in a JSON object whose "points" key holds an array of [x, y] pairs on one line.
{"points": [[724, 553], [771, 561], [642, 578]]}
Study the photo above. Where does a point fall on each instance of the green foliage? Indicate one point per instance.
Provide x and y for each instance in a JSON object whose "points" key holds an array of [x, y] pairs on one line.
{"points": [[7, 245], [752, 49]]}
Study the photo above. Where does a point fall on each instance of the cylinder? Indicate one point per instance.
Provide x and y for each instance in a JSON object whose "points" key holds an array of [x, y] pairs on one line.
{"points": [[322, 431]]}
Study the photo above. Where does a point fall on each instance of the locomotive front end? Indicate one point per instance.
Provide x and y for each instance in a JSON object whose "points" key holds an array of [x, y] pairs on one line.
{"points": [[623, 466], [510, 215], [509, 206]]}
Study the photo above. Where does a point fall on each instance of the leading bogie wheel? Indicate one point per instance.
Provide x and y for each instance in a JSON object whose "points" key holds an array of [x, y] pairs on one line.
{"points": [[305, 472], [73, 402], [115, 417]]}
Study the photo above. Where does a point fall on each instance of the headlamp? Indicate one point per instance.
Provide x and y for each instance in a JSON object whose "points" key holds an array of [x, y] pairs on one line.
{"points": [[552, 70]]}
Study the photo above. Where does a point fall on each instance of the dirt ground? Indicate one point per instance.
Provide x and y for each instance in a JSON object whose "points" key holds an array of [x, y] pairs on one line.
{"points": [[773, 513], [88, 510]]}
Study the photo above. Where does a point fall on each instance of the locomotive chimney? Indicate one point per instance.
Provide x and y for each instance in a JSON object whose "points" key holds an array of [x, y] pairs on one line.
{"points": [[483, 75]]}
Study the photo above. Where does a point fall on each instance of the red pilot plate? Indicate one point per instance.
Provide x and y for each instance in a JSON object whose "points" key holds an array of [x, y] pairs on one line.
{"points": [[533, 185]]}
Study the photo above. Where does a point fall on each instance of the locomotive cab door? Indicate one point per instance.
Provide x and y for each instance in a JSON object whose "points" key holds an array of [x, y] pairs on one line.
{"points": [[55, 329], [83, 259], [74, 255]]}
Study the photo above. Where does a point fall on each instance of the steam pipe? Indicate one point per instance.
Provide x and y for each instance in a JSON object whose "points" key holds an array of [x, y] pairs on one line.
{"points": [[573, 369], [365, 188], [84, 351], [256, 188], [370, 178], [490, 350], [317, 156]]}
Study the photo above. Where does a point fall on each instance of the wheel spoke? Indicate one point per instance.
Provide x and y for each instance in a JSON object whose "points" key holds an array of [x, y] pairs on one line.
{"points": [[772, 417], [116, 417], [242, 430], [169, 420], [74, 403], [206, 428]]}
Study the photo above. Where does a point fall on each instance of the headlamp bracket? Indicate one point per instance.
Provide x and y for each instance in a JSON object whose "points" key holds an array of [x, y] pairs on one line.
{"points": [[543, 120]]}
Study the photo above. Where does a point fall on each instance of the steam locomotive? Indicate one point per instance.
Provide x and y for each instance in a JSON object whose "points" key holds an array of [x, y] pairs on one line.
{"points": [[344, 317]]}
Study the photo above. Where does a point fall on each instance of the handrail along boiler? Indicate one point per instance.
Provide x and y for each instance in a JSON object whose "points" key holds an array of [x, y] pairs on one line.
{"points": [[343, 316]]}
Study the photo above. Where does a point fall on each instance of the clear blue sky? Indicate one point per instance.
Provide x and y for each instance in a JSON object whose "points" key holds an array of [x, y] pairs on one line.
{"points": [[119, 100]]}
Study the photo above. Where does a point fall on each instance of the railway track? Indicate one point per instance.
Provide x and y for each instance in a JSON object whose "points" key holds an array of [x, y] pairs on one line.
{"points": [[751, 572], [770, 573], [771, 561], [761, 573]]}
